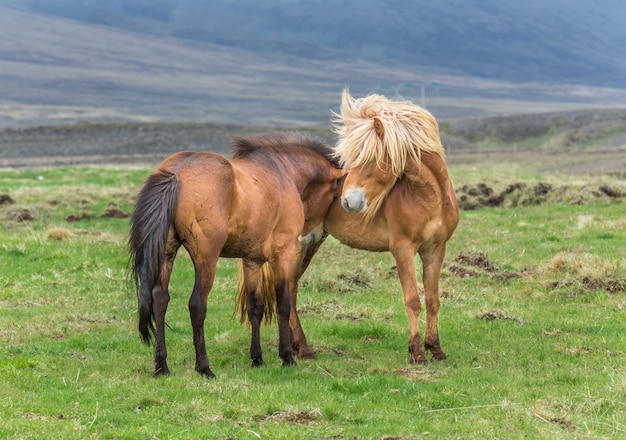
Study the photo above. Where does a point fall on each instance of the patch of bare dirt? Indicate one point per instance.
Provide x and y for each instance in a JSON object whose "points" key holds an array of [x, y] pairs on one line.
{"points": [[507, 275], [393, 272], [351, 282], [78, 217], [6, 199], [356, 279], [462, 272], [23, 215], [115, 213], [563, 422], [295, 417], [493, 315], [475, 259]]}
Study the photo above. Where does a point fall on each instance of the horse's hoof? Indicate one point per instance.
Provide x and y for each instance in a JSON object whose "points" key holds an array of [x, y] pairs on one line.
{"points": [[206, 372], [436, 351], [420, 360], [439, 356], [288, 361], [161, 371], [306, 354], [257, 362], [417, 357]]}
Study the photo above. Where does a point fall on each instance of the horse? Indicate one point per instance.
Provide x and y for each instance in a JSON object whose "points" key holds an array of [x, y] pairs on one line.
{"points": [[276, 188], [397, 196]]}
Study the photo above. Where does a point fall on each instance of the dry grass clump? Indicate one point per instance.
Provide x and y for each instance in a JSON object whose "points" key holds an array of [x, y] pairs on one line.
{"points": [[580, 265], [294, 416], [58, 234], [579, 272]]}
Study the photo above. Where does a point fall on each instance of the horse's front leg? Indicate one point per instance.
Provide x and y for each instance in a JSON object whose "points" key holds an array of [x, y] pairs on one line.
{"points": [[432, 261], [405, 262], [305, 254]]}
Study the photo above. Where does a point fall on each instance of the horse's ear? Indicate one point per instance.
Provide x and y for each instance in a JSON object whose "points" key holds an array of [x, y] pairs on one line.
{"points": [[379, 128]]}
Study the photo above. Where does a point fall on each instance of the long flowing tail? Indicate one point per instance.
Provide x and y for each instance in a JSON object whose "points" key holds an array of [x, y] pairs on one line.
{"points": [[149, 228], [267, 291]]}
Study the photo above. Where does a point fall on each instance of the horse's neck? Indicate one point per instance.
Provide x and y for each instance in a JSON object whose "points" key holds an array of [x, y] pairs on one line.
{"points": [[431, 173], [302, 174]]}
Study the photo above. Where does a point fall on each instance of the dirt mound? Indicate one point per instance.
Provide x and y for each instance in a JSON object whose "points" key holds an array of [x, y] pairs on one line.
{"points": [[115, 213], [475, 259], [78, 217], [23, 215], [477, 264], [493, 315], [481, 195], [6, 199], [358, 279]]}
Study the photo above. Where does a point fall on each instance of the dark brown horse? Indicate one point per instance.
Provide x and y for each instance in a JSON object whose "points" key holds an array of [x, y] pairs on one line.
{"points": [[276, 188], [397, 197]]}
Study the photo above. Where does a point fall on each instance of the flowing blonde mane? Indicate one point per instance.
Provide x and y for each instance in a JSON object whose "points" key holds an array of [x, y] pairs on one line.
{"points": [[409, 130]]}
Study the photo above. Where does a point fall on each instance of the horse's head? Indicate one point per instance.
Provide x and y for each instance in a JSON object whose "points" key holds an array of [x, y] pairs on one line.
{"points": [[316, 200], [369, 181], [378, 139]]}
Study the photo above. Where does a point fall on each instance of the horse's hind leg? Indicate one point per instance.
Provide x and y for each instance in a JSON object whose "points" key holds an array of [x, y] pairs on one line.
{"points": [[432, 261], [283, 308], [160, 300], [405, 261], [205, 274], [255, 308]]}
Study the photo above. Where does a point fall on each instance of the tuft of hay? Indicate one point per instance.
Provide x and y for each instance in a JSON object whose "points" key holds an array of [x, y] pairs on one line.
{"points": [[579, 272], [580, 265], [58, 234], [295, 417]]}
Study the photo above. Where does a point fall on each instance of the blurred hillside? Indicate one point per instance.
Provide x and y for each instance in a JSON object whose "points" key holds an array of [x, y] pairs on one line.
{"points": [[534, 40], [283, 63]]}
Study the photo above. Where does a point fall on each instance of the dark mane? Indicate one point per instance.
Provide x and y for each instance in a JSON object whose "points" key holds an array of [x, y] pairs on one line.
{"points": [[281, 142]]}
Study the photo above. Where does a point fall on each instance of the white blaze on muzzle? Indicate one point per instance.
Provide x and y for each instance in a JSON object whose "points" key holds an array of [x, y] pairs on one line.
{"points": [[354, 200]]}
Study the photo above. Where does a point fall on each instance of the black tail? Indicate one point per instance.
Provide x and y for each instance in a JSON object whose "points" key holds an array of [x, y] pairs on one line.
{"points": [[150, 224]]}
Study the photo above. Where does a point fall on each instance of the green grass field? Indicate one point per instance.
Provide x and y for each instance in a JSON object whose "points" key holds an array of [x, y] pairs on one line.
{"points": [[532, 319]]}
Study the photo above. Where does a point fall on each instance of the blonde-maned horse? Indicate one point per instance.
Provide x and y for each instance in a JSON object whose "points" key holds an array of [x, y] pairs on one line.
{"points": [[397, 196], [276, 188]]}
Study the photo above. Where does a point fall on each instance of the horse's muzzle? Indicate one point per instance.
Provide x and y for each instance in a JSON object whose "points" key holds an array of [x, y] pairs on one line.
{"points": [[354, 200]]}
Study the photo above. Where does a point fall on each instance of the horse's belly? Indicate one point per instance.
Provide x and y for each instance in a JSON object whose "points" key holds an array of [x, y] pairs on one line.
{"points": [[245, 246]]}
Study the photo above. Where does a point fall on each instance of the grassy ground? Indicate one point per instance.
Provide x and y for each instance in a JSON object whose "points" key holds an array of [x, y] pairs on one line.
{"points": [[532, 319]]}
